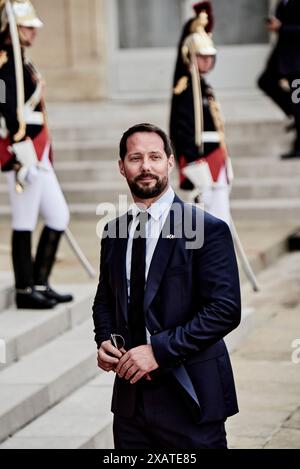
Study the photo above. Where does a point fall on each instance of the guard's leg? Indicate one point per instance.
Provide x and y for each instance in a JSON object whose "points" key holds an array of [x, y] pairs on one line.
{"points": [[269, 82], [296, 112], [216, 200], [44, 260], [55, 212], [295, 151], [26, 295], [24, 205], [24, 218]]}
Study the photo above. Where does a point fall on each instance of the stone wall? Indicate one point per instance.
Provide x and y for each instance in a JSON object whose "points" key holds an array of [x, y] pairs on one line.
{"points": [[70, 49]]}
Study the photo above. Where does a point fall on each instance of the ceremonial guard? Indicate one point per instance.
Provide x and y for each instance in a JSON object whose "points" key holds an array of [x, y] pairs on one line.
{"points": [[197, 128], [26, 158], [280, 79], [196, 125]]}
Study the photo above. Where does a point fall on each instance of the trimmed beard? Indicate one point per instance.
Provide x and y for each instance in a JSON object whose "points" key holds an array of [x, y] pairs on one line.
{"points": [[151, 192]]}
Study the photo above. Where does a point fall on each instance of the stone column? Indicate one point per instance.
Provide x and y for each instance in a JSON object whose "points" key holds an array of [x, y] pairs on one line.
{"points": [[70, 49]]}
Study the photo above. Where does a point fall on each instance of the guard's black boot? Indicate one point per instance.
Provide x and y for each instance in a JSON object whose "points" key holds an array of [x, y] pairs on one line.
{"points": [[26, 296], [290, 127], [44, 260], [29, 298], [291, 155]]}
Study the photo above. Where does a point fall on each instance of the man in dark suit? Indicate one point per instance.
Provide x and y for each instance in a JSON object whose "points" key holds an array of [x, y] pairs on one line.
{"points": [[284, 63], [169, 288]]}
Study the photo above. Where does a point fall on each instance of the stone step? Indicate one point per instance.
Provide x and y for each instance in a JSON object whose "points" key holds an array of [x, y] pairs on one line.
{"points": [[257, 149], [85, 192], [255, 209], [82, 151], [82, 192], [265, 168], [44, 377], [108, 170], [266, 209], [82, 420], [258, 130], [276, 188], [110, 136], [4, 211], [244, 119], [6, 291], [244, 189], [101, 150], [26, 330]]}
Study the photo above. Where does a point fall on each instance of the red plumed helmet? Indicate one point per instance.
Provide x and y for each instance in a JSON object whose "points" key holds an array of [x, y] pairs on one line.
{"points": [[207, 7]]}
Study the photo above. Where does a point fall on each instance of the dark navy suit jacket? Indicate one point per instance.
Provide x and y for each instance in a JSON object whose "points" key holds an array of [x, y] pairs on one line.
{"points": [[192, 300], [287, 50]]}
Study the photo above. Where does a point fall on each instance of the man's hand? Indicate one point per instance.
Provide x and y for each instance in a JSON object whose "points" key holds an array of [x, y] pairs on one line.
{"points": [[105, 360], [273, 25], [136, 363]]}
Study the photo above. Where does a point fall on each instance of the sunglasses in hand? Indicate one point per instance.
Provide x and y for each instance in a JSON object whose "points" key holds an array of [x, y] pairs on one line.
{"points": [[117, 341]]}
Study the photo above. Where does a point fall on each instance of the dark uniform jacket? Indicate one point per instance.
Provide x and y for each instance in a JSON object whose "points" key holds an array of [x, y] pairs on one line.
{"points": [[8, 109], [182, 126], [287, 50]]}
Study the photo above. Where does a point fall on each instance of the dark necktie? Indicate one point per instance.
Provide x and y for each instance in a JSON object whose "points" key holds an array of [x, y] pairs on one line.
{"points": [[137, 283]]}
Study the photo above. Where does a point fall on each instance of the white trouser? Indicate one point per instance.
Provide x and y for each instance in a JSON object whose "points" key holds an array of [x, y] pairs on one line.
{"points": [[216, 198], [42, 196]]}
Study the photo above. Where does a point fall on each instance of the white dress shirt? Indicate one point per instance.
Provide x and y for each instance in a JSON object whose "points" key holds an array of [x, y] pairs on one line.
{"points": [[158, 212]]}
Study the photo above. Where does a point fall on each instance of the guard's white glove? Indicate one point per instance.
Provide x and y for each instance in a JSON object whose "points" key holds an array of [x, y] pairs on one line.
{"points": [[27, 175], [32, 174]]}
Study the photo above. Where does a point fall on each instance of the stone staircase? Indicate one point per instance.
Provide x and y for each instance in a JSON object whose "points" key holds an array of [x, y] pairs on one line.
{"points": [[50, 381], [86, 140]]}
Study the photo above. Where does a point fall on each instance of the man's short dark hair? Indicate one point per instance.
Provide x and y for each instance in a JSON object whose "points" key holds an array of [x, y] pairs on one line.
{"points": [[145, 128]]}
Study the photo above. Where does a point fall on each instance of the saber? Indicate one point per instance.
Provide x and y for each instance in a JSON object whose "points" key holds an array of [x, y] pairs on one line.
{"points": [[79, 254], [243, 258], [19, 70]]}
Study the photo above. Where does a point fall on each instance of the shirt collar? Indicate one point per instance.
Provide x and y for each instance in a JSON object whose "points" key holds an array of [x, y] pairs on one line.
{"points": [[157, 208]]}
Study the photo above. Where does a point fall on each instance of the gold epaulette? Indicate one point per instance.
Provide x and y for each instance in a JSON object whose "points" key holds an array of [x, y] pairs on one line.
{"points": [[3, 58], [181, 85]]}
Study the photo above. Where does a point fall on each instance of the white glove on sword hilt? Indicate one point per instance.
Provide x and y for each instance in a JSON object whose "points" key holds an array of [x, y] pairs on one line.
{"points": [[27, 157], [26, 175]]}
